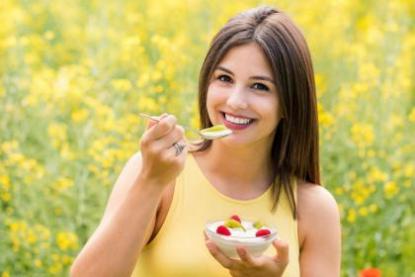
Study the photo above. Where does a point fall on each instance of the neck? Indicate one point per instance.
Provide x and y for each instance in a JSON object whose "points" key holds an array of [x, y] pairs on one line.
{"points": [[249, 167]]}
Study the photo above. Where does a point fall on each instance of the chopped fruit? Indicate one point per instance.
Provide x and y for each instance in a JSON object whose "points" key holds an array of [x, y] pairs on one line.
{"points": [[216, 128], [235, 217], [217, 131], [258, 224], [262, 232], [232, 223], [223, 230]]}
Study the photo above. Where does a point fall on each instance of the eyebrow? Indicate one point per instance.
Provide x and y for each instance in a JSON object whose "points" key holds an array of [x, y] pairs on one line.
{"points": [[264, 78]]}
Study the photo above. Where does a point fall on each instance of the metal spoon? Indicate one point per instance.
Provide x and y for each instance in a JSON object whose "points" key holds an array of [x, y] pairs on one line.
{"points": [[215, 132]]}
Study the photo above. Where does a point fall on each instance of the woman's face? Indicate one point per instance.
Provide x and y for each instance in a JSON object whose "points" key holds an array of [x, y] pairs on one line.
{"points": [[242, 95]]}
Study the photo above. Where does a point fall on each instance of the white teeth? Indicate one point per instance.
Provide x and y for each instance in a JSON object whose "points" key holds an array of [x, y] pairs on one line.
{"points": [[237, 120]]}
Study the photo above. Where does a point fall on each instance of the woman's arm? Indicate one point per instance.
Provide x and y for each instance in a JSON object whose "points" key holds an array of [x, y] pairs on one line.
{"points": [[319, 232], [130, 215], [125, 227]]}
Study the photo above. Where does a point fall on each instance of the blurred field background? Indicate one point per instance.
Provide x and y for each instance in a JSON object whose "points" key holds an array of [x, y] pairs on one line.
{"points": [[74, 76]]}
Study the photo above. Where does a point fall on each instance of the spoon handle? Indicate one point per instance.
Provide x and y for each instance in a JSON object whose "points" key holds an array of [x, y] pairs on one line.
{"points": [[158, 120], [149, 117]]}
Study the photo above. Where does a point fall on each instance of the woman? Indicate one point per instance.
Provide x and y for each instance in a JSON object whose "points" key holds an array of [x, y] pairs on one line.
{"points": [[257, 79]]}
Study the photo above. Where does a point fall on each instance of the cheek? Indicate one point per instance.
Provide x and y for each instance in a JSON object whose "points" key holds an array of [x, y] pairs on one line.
{"points": [[271, 109], [214, 97]]}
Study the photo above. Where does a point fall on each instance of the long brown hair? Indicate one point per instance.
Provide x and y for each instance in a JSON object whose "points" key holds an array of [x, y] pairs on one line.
{"points": [[295, 153]]}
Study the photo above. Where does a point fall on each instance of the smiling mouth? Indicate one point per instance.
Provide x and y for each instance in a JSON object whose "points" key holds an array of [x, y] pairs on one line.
{"points": [[233, 122]]}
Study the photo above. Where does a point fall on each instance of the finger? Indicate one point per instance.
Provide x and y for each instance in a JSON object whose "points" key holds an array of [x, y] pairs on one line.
{"points": [[205, 235], [151, 123], [174, 136], [163, 127], [167, 148], [225, 261], [245, 256], [167, 143], [182, 147], [173, 152], [282, 255]]}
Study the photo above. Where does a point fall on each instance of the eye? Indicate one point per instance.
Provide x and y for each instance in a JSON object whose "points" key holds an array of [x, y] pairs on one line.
{"points": [[260, 86], [224, 78]]}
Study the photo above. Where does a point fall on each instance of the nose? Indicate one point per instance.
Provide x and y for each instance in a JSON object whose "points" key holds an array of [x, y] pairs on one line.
{"points": [[237, 99]]}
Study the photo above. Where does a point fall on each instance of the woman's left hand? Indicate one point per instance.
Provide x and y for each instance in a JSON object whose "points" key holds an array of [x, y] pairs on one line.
{"points": [[249, 265]]}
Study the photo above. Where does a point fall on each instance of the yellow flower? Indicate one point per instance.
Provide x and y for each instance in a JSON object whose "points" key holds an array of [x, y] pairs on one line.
{"points": [[407, 183], [339, 191], [57, 133], [390, 189], [67, 260], [66, 152], [9, 147], [351, 216], [412, 115], [5, 182], [42, 232], [373, 208], [63, 184], [375, 175], [324, 118], [5, 196], [362, 134], [369, 73], [79, 116], [363, 211], [361, 191], [409, 170], [5, 274], [67, 240], [38, 263], [121, 85], [143, 80], [395, 121], [321, 84], [55, 268], [31, 237], [49, 35], [158, 89]]}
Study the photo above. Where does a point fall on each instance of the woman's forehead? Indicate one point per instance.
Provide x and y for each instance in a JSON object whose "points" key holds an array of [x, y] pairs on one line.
{"points": [[247, 58]]}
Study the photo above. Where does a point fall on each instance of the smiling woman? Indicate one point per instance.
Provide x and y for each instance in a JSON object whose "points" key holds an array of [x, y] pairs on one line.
{"points": [[243, 100], [257, 80]]}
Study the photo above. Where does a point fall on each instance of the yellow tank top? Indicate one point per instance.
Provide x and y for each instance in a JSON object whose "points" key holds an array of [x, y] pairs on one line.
{"points": [[179, 247]]}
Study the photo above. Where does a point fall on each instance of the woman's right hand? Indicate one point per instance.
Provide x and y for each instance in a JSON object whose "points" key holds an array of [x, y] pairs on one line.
{"points": [[161, 165]]}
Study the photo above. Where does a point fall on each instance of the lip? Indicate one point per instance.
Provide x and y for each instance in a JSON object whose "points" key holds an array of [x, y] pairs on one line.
{"points": [[236, 115], [233, 126]]}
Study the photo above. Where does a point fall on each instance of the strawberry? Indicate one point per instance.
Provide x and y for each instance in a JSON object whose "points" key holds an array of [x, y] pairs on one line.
{"points": [[223, 230], [262, 232], [236, 217]]}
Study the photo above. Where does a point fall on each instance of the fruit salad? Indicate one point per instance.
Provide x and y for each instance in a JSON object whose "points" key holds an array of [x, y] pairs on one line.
{"points": [[234, 231]]}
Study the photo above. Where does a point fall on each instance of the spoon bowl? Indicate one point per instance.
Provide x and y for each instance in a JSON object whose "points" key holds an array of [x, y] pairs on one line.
{"points": [[211, 133]]}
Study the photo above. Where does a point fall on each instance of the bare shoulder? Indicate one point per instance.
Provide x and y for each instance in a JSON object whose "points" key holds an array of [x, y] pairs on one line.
{"points": [[318, 212], [316, 202]]}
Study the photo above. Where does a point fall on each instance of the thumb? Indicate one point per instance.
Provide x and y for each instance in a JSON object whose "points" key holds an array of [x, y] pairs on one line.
{"points": [[282, 251], [151, 123]]}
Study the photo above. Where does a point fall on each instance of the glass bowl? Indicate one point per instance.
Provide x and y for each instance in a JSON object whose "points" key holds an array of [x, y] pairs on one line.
{"points": [[227, 244]]}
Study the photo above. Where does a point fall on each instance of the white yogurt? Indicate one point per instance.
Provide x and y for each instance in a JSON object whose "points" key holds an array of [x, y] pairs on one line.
{"points": [[239, 233]]}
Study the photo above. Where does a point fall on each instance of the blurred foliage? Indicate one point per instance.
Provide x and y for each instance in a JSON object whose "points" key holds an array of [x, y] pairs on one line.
{"points": [[73, 78]]}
